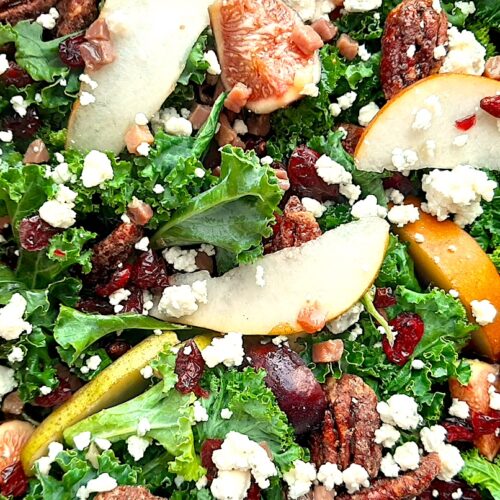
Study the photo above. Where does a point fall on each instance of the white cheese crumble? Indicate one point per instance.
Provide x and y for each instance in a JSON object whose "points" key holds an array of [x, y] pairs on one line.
{"points": [[403, 214], [422, 120], [300, 478], [146, 372], [102, 483], [417, 364], [403, 159], [227, 350], [436, 5], [361, 5], [16, 355], [82, 440], [330, 475], [48, 21], [368, 208], [240, 127], [494, 399], [266, 160], [213, 63], [400, 410], [310, 89], [45, 390], [419, 237], [142, 244], [346, 320], [367, 113], [84, 78], [136, 446], [355, 477], [335, 109], [226, 413], [453, 293], [86, 98], [102, 443], [58, 214], [259, 277], [200, 413], [394, 195], [158, 189], [439, 52], [19, 105], [313, 206], [97, 169], [467, 8], [465, 53], [407, 456], [388, 466], [12, 324], [311, 10], [180, 259], [461, 140], [484, 311], [4, 64], [410, 52], [7, 381], [143, 149], [459, 409], [347, 100], [6, 136], [183, 300], [387, 435]]}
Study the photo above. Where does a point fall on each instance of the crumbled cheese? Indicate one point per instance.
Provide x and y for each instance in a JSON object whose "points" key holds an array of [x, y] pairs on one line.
{"points": [[451, 462], [65, 195], [403, 214], [226, 413], [388, 466], [44, 464], [200, 413], [213, 63], [355, 333], [335, 109], [387, 435], [158, 189], [410, 52], [259, 276], [417, 364], [48, 21], [143, 149], [313, 206], [355, 477], [136, 446], [436, 5], [494, 399], [407, 456], [280, 340], [16, 355], [82, 440], [61, 173], [331, 171], [368, 208], [266, 160], [361, 5], [483, 311], [460, 140], [363, 54], [347, 100], [403, 159], [84, 78], [143, 427], [453, 293], [4, 64], [146, 372], [231, 485], [299, 478], [102, 483], [19, 105], [351, 191], [201, 483], [467, 8], [465, 53], [458, 191], [422, 120], [458, 493], [6, 136], [400, 410], [346, 320], [419, 238], [58, 214], [180, 259], [97, 169], [178, 126], [12, 324], [310, 89], [330, 475], [439, 52], [93, 362], [182, 300], [394, 195], [452, 248], [459, 409], [239, 126], [367, 113], [227, 350], [86, 98], [7, 381], [491, 378], [45, 390], [119, 296], [142, 244], [103, 443]]}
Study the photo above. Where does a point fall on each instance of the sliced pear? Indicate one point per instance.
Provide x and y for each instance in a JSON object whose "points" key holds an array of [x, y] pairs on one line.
{"points": [[330, 274], [152, 40], [119, 382], [458, 97]]}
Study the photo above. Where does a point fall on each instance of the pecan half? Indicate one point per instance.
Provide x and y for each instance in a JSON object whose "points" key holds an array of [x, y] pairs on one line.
{"points": [[75, 15], [407, 485], [13, 11], [412, 31]]}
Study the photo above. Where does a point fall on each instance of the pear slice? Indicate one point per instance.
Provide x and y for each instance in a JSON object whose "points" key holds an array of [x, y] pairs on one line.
{"points": [[152, 40], [449, 97], [117, 383], [331, 272]]}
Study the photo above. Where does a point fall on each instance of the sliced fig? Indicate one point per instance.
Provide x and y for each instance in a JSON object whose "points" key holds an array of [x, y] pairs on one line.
{"points": [[264, 45], [13, 436]]}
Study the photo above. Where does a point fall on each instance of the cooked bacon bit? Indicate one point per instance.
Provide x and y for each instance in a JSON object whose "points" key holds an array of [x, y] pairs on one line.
{"points": [[329, 351], [98, 50], [347, 47], [139, 212], [466, 123], [128, 493], [36, 153], [259, 125], [12, 404], [237, 97], [325, 29], [306, 39], [75, 15], [408, 485], [199, 115], [492, 68], [311, 318], [137, 135]]}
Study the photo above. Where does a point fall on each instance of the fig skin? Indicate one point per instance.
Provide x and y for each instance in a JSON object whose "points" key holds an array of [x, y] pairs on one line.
{"points": [[299, 394]]}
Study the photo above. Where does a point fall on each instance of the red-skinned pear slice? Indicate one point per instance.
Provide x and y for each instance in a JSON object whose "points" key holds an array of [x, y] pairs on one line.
{"points": [[422, 118], [330, 274], [152, 40]]}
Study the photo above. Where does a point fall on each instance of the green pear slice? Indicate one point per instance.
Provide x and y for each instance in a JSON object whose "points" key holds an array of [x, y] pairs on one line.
{"points": [[333, 271], [152, 40], [117, 383], [458, 97]]}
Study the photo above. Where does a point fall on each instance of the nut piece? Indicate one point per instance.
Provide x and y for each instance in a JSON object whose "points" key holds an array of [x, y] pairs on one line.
{"points": [[36, 153], [492, 68], [412, 31], [75, 15], [13, 11], [128, 493], [408, 485]]}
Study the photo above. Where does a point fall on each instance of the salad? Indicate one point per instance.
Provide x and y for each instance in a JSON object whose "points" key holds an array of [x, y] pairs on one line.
{"points": [[249, 249]]}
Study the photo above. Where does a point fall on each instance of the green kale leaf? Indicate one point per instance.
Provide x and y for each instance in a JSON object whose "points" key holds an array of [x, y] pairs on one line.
{"points": [[480, 472]]}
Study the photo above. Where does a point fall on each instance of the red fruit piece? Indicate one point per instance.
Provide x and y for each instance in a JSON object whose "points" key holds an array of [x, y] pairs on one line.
{"points": [[485, 424], [491, 105], [58, 395], [119, 279], [458, 430], [150, 271], [400, 182], [23, 127], [446, 489], [189, 367], [410, 329], [94, 305], [304, 178], [117, 349], [13, 480], [466, 123], [15, 75], [297, 391], [69, 52], [253, 492], [35, 233], [384, 297], [207, 449], [135, 302]]}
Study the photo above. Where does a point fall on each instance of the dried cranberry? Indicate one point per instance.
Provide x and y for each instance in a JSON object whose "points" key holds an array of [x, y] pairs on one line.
{"points": [[189, 367], [253, 492], [150, 271], [13, 480], [384, 297], [207, 449], [304, 178], [35, 233], [485, 424], [258, 144], [119, 279], [117, 349], [466, 123], [491, 105], [410, 329], [458, 430], [69, 52], [447, 488], [23, 127], [135, 302], [15, 75], [58, 395], [400, 182], [59, 253], [94, 306]]}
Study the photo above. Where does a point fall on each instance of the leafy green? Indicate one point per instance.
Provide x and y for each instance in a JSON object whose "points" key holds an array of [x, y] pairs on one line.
{"points": [[495, 257], [196, 66], [480, 472], [334, 216], [75, 331], [361, 26], [255, 413], [235, 214]]}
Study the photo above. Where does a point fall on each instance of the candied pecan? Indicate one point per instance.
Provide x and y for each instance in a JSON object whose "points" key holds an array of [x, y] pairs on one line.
{"points": [[492, 68], [13, 11], [407, 485], [12, 404], [412, 31], [75, 15], [354, 133], [324, 442], [128, 493], [36, 153], [295, 227]]}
